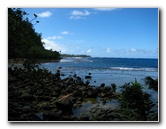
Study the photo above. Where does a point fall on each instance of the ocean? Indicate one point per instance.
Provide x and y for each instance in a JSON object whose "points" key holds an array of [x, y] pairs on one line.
{"points": [[106, 70]]}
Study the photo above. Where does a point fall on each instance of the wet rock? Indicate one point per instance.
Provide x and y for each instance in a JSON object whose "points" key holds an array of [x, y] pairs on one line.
{"points": [[68, 118], [75, 75], [107, 89], [39, 92], [46, 93], [98, 111], [84, 117], [26, 109], [104, 100], [102, 117], [69, 80], [54, 93], [88, 77], [113, 86], [24, 117], [102, 85], [93, 93], [75, 105], [43, 105], [102, 94], [78, 78], [87, 82], [113, 116], [53, 116], [44, 98], [62, 74], [76, 93], [57, 74], [27, 97], [40, 115]]}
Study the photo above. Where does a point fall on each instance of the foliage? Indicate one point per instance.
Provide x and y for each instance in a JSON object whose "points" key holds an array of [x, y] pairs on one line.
{"points": [[153, 84], [136, 104], [23, 41]]}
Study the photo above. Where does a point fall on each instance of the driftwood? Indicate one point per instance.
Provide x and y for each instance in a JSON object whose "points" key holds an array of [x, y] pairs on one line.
{"points": [[64, 97]]}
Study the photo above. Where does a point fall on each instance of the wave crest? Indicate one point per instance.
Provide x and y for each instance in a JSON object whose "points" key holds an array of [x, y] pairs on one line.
{"points": [[134, 69]]}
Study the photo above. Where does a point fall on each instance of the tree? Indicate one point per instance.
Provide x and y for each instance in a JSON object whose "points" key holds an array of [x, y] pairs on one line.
{"points": [[153, 84], [23, 41]]}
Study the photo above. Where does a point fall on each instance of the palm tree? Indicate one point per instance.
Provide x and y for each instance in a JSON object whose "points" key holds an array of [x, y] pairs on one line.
{"points": [[153, 84]]}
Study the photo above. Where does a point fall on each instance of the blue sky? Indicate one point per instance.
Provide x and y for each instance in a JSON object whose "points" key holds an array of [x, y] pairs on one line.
{"points": [[99, 32]]}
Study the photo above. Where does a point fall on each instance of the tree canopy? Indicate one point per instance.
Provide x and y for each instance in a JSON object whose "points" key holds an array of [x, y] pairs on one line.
{"points": [[23, 41]]}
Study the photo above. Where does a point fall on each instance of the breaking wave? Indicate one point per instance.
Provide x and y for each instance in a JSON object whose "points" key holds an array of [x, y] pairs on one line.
{"points": [[134, 69], [75, 59]]}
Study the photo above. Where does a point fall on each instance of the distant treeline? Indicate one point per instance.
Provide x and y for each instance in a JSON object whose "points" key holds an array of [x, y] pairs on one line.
{"points": [[72, 55], [23, 41]]}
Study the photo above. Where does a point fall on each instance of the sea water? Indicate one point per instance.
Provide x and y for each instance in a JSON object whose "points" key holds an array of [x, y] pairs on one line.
{"points": [[108, 71]]}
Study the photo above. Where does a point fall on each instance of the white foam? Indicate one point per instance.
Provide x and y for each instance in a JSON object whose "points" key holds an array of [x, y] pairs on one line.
{"points": [[133, 69]]}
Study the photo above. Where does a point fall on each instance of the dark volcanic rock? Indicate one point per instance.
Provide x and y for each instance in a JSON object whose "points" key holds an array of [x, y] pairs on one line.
{"points": [[26, 96], [102, 85], [88, 77], [53, 116], [37, 95]]}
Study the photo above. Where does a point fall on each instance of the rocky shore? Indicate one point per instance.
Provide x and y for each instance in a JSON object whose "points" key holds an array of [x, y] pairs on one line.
{"points": [[39, 95]]}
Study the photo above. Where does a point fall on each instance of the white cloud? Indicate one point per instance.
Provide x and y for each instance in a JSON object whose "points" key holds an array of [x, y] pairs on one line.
{"points": [[133, 50], [55, 37], [79, 14], [52, 45], [105, 9], [89, 50], [45, 14], [108, 50], [65, 32]]}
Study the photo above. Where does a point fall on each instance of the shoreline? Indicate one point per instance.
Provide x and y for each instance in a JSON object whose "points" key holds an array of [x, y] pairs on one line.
{"points": [[43, 96], [21, 61]]}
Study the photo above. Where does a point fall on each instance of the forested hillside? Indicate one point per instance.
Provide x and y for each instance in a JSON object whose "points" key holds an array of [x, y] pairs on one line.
{"points": [[23, 41]]}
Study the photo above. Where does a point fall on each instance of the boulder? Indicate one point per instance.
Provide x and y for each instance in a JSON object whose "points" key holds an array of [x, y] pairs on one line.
{"points": [[93, 93], [28, 97], [88, 77], [113, 86], [52, 116], [64, 103], [39, 92], [102, 85], [26, 109]]}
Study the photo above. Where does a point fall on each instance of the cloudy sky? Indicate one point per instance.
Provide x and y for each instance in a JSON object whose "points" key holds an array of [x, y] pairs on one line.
{"points": [[99, 32]]}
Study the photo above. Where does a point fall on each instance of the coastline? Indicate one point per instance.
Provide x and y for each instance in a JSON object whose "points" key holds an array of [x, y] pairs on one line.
{"points": [[43, 96], [21, 61]]}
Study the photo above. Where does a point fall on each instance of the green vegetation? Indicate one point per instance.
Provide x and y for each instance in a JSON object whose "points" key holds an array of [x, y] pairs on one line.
{"points": [[23, 41], [136, 104], [153, 84], [33, 90]]}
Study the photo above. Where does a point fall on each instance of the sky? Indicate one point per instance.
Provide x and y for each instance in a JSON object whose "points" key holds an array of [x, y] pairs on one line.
{"points": [[99, 32]]}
